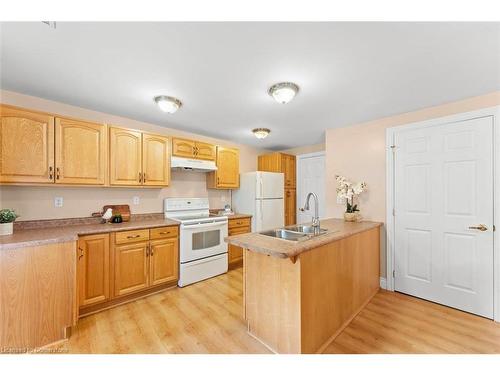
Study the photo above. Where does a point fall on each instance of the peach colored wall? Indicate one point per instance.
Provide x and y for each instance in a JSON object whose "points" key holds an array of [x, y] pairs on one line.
{"points": [[305, 149], [358, 152], [38, 202]]}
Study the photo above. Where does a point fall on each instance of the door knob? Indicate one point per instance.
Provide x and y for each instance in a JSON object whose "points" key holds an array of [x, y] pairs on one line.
{"points": [[480, 227]]}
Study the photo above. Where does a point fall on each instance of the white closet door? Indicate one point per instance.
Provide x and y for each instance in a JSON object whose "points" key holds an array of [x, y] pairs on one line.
{"points": [[443, 189]]}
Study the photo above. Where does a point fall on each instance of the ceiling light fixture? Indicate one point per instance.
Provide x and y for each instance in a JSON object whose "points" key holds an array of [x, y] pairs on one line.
{"points": [[168, 104], [283, 92], [261, 133]]}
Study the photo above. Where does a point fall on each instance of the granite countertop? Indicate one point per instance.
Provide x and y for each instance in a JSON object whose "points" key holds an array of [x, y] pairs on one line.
{"points": [[66, 233], [280, 248]]}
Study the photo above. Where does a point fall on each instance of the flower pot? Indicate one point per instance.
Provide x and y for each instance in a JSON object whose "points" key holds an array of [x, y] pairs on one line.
{"points": [[6, 229], [351, 216]]}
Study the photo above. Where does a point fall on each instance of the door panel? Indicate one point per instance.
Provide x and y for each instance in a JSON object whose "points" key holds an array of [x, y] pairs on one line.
{"points": [[93, 269], [269, 213], [131, 268], [125, 157], [164, 258], [311, 178], [26, 146], [204, 151], [183, 147], [80, 152], [155, 160], [443, 186], [228, 167]]}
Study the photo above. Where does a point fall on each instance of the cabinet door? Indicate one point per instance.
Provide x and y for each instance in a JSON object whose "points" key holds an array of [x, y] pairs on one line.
{"points": [[228, 168], [93, 269], [288, 165], [26, 146], [205, 151], [131, 268], [235, 253], [164, 261], [155, 160], [290, 206], [80, 152], [125, 153], [183, 147]]}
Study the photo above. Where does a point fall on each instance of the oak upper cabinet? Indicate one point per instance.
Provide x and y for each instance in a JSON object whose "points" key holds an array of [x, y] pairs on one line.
{"points": [[187, 148], [131, 268], [205, 151], [289, 168], [164, 261], [26, 146], [227, 175], [93, 269], [183, 147], [155, 160], [80, 152], [125, 157]]}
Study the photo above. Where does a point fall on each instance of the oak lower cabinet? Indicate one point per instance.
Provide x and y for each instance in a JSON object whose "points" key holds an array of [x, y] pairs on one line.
{"points": [[93, 269], [290, 206], [163, 261], [131, 268], [117, 267], [235, 253]]}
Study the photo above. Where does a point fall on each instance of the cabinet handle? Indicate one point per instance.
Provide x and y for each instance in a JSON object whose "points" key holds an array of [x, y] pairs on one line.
{"points": [[51, 175], [218, 180], [81, 253], [165, 232], [151, 252], [140, 177], [58, 173], [147, 250], [136, 236], [144, 177]]}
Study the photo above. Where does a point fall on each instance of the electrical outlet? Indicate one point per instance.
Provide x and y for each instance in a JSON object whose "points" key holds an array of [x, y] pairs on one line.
{"points": [[135, 200], [58, 201]]}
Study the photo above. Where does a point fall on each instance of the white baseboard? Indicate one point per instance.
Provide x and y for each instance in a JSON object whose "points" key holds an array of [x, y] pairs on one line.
{"points": [[383, 283]]}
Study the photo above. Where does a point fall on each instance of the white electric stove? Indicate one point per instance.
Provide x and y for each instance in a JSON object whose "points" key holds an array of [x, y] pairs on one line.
{"points": [[203, 252]]}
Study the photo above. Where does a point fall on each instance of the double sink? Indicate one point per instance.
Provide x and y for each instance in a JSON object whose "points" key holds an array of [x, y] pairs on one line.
{"points": [[296, 232]]}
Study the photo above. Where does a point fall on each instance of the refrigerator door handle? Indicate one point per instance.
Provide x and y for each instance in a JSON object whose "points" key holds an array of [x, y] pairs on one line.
{"points": [[261, 200]]}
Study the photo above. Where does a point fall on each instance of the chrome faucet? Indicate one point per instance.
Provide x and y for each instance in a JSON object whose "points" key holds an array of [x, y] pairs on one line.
{"points": [[315, 219]]}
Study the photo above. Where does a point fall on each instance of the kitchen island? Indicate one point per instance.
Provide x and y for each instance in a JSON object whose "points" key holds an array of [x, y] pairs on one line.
{"points": [[299, 295]]}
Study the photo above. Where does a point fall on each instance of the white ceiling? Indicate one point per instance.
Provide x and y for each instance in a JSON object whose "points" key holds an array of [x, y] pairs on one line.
{"points": [[347, 72]]}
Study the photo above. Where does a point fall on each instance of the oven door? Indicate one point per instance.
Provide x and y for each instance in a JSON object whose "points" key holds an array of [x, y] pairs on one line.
{"points": [[199, 241]]}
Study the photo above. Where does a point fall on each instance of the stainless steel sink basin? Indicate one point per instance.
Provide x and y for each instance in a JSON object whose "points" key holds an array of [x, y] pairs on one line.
{"points": [[295, 233], [308, 229], [285, 234]]}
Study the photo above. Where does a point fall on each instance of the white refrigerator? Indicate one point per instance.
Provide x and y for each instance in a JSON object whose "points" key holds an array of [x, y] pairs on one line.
{"points": [[261, 195]]}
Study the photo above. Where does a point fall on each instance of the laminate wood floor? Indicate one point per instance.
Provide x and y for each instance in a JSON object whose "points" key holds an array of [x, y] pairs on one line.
{"points": [[208, 318]]}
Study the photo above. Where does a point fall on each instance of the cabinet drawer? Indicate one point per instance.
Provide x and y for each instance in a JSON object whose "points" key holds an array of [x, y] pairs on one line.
{"points": [[238, 230], [132, 236], [236, 223], [164, 232]]}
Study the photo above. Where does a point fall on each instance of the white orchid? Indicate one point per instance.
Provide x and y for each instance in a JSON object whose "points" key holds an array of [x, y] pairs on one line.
{"points": [[347, 191]]}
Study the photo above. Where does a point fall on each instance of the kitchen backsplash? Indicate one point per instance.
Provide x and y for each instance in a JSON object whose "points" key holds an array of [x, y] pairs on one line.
{"points": [[36, 203]]}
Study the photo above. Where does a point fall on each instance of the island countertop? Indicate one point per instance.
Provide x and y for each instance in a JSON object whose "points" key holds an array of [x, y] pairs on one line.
{"points": [[280, 248]]}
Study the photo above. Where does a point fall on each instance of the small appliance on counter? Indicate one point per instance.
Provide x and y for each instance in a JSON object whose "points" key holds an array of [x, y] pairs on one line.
{"points": [[118, 210]]}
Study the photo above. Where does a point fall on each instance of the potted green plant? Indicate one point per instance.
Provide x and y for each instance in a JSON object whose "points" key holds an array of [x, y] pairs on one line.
{"points": [[7, 218]]}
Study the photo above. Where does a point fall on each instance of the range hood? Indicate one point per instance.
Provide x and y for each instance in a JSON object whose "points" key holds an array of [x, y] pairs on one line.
{"points": [[192, 164]]}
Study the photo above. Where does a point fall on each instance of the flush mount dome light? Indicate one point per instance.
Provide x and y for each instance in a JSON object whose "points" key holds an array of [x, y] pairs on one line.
{"points": [[261, 133], [168, 104], [283, 92]]}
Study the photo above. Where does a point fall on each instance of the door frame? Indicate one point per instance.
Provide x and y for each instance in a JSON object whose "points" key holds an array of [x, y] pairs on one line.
{"points": [[390, 222], [300, 157]]}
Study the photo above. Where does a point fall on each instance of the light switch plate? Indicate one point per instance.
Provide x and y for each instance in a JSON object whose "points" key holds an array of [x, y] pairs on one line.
{"points": [[135, 200], [58, 201]]}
